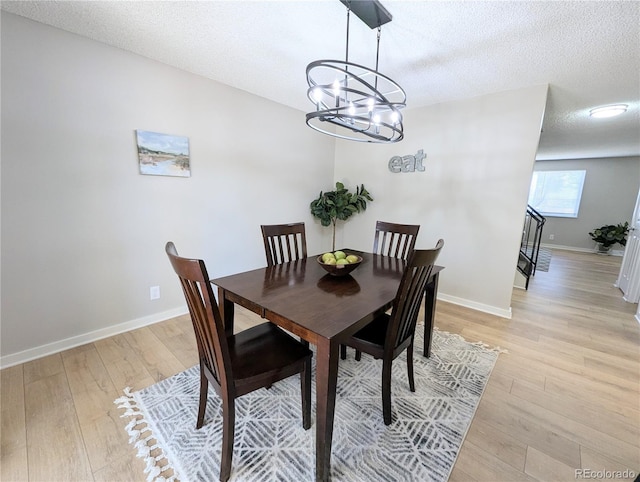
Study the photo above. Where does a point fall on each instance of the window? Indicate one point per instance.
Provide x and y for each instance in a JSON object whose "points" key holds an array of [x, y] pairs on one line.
{"points": [[556, 193]]}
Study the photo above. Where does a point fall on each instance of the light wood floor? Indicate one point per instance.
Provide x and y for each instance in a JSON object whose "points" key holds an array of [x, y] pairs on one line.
{"points": [[564, 397]]}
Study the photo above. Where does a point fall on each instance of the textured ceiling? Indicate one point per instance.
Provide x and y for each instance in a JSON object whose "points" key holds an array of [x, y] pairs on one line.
{"points": [[588, 52]]}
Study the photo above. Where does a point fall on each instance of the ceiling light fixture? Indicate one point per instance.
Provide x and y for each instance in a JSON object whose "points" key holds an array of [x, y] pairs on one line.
{"points": [[361, 103], [608, 111]]}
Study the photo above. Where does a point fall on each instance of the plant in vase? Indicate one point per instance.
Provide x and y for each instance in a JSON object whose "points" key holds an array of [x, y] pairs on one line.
{"points": [[331, 206], [610, 234]]}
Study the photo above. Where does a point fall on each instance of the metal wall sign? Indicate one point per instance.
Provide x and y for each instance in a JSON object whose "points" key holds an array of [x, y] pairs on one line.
{"points": [[407, 163]]}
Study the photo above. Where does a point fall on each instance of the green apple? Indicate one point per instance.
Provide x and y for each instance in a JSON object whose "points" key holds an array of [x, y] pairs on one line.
{"points": [[339, 254], [342, 261], [352, 258], [327, 256], [330, 261]]}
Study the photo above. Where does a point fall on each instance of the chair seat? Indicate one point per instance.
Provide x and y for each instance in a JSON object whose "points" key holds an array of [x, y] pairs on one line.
{"points": [[371, 338], [375, 332], [263, 348]]}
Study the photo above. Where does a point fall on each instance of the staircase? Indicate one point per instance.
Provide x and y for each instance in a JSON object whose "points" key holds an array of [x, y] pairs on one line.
{"points": [[530, 243]]}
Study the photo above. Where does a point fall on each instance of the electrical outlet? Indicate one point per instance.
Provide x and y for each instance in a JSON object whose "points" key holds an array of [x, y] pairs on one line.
{"points": [[154, 292], [552, 237]]}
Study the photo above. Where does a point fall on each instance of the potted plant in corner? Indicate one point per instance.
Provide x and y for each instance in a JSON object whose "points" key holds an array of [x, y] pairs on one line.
{"points": [[610, 234], [339, 204]]}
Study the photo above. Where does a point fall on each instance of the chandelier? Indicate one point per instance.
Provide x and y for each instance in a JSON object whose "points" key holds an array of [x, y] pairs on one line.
{"points": [[352, 101]]}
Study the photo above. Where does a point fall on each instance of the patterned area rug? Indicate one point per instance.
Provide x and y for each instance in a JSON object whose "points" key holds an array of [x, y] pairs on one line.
{"points": [[421, 444], [544, 259]]}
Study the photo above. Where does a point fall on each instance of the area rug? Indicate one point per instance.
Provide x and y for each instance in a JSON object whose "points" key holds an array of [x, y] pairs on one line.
{"points": [[544, 259], [422, 443]]}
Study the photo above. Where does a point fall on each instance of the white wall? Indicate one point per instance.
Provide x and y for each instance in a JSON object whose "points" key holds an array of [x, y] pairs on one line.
{"points": [[473, 193], [83, 233]]}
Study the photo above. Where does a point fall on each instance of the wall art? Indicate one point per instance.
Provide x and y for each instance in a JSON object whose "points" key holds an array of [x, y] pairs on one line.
{"points": [[163, 154], [407, 163]]}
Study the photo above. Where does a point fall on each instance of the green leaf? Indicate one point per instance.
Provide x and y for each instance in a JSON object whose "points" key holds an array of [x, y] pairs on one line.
{"points": [[340, 204], [611, 234]]}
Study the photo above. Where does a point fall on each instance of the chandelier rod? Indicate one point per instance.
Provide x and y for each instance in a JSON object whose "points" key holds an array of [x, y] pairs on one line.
{"points": [[377, 55], [346, 56], [347, 50], [378, 48]]}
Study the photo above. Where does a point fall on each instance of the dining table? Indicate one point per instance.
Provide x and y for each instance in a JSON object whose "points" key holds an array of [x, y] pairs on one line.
{"points": [[323, 309]]}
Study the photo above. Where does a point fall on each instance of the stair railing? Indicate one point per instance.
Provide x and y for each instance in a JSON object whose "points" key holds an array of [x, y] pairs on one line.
{"points": [[530, 243]]}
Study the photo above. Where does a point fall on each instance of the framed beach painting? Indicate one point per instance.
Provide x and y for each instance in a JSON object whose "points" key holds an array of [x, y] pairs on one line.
{"points": [[163, 154]]}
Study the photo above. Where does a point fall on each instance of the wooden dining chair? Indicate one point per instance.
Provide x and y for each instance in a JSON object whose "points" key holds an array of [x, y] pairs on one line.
{"points": [[394, 240], [237, 364], [284, 242], [388, 335]]}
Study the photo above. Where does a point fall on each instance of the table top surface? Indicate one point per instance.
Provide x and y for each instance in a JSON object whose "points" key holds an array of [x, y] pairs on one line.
{"points": [[329, 306]]}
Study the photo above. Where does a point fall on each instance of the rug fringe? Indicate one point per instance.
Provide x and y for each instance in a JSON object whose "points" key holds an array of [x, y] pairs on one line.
{"points": [[142, 439]]}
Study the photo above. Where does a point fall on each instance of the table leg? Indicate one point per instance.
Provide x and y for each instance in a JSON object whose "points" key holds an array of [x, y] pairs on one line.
{"points": [[226, 308], [431, 292], [326, 381]]}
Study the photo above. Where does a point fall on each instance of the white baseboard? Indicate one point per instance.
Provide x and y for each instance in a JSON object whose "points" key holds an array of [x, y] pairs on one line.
{"points": [[613, 252], [61, 345], [492, 310], [566, 248]]}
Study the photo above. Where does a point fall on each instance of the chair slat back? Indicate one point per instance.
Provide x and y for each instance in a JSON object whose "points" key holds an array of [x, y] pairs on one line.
{"points": [[213, 349], [284, 242], [396, 240], [409, 296]]}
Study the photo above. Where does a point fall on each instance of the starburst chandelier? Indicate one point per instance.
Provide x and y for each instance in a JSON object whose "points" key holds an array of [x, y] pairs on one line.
{"points": [[352, 101]]}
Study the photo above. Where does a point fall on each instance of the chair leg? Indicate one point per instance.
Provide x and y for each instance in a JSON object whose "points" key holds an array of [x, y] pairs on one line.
{"points": [[412, 385], [386, 391], [305, 388], [228, 433], [204, 391], [343, 353]]}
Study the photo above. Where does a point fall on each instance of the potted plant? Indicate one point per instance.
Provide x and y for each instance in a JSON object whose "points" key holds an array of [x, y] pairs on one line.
{"points": [[339, 204], [610, 234]]}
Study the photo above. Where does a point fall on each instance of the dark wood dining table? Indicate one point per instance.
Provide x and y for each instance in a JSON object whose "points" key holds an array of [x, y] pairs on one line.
{"points": [[301, 297]]}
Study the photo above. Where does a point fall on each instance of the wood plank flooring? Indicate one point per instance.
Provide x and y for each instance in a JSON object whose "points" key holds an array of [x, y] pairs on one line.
{"points": [[565, 397]]}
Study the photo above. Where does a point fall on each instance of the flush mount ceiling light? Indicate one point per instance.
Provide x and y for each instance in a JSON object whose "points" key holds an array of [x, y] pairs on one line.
{"points": [[608, 111], [360, 102]]}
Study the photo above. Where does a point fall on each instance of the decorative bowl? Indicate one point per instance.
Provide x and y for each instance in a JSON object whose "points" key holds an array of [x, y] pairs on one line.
{"points": [[340, 269]]}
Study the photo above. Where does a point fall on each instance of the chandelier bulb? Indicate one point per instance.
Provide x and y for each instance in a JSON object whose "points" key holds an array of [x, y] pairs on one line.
{"points": [[317, 94], [336, 88]]}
